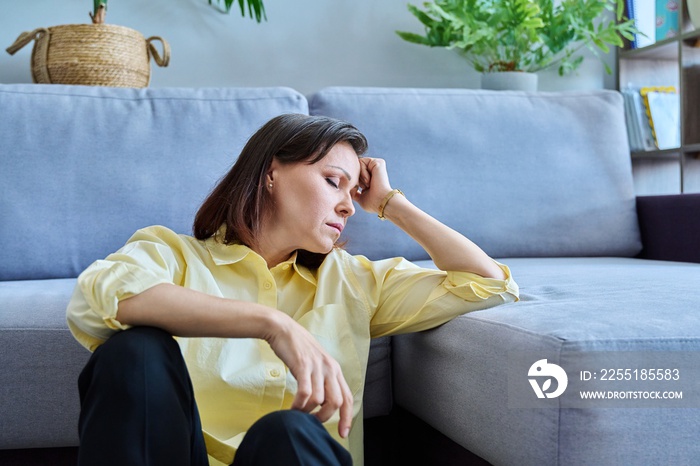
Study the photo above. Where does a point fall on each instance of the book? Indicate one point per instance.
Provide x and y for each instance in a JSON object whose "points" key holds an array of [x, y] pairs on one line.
{"points": [[629, 13], [644, 16], [666, 19], [638, 127], [662, 106], [633, 133]]}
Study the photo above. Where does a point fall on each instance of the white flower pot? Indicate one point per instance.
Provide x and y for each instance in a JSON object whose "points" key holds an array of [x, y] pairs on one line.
{"points": [[509, 81]]}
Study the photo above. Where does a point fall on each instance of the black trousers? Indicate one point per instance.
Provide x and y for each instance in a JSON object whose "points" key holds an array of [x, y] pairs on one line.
{"points": [[138, 408]]}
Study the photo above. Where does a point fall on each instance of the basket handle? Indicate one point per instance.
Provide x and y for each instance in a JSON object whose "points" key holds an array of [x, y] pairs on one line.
{"points": [[152, 50], [25, 38]]}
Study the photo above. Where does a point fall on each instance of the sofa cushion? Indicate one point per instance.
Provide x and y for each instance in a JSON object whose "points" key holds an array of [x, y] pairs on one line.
{"points": [[459, 378], [378, 399], [82, 168], [39, 365], [541, 174]]}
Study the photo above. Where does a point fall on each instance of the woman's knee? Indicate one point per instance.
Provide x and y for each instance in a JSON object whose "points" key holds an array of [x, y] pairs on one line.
{"points": [[135, 343], [286, 421], [131, 349], [290, 437], [130, 354]]}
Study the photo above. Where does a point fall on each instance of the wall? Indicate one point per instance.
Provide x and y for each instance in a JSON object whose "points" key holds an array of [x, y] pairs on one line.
{"points": [[305, 44]]}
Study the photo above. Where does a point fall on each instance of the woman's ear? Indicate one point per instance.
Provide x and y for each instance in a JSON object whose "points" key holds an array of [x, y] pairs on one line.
{"points": [[270, 176], [271, 172]]}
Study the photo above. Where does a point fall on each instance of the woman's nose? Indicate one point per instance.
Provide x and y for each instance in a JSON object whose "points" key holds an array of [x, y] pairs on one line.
{"points": [[346, 206]]}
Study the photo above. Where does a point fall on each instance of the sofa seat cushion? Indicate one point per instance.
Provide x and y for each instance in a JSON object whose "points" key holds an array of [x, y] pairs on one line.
{"points": [[39, 365], [459, 377]]}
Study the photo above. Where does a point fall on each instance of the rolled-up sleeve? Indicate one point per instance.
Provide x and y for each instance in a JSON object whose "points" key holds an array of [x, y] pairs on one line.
{"points": [[148, 259], [475, 288], [407, 298]]}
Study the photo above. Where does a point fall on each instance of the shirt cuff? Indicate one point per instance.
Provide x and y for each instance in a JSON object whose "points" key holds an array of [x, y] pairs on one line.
{"points": [[473, 287], [105, 283]]}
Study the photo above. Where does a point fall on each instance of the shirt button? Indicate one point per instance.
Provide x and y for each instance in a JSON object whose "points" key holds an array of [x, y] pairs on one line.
{"points": [[267, 285], [275, 372], [285, 267]]}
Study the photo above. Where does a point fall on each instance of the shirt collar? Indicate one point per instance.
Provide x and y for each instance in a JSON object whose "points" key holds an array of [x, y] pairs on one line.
{"points": [[305, 273], [227, 254]]}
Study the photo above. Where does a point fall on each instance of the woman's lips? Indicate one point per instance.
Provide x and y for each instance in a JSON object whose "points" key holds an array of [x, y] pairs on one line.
{"points": [[337, 226]]}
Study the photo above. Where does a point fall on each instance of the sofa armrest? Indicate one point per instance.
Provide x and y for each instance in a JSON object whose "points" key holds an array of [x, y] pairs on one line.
{"points": [[670, 227]]}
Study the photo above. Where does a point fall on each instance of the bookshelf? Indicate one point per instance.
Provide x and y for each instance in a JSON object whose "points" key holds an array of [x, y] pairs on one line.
{"points": [[674, 61]]}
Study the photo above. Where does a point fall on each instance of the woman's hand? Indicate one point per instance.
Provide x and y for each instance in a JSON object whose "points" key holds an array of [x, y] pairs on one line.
{"points": [[319, 377], [374, 182]]}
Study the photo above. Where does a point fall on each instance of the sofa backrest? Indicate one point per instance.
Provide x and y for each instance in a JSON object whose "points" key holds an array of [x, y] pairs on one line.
{"points": [[82, 168], [540, 174]]}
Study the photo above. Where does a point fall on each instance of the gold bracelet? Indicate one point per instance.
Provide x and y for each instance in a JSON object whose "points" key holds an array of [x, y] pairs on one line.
{"points": [[385, 201]]}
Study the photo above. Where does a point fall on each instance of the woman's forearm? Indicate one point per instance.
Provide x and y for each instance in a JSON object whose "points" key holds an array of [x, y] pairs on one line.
{"points": [[188, 313], [449, 249]]}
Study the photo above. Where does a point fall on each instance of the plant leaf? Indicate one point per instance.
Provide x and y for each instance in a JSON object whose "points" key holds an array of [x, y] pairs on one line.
{"points": [[256, 8], [414, 38]]}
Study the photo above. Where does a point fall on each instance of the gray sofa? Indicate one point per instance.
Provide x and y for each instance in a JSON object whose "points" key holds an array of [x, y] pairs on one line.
{"points": [[541, 181]]}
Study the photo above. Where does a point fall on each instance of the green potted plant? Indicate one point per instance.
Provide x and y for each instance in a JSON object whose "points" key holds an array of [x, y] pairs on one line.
{"points": [[102, 54], [522, 36], [255, 8]]}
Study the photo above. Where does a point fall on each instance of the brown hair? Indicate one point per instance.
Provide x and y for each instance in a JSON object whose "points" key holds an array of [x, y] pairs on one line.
{"points": [[240, 200]]}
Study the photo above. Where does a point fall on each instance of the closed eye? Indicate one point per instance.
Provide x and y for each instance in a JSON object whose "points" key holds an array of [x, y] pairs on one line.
{"points": [[332, 183]]}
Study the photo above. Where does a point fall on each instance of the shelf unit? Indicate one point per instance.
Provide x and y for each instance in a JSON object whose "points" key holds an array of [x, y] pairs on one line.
{"points": [[670, 62]]}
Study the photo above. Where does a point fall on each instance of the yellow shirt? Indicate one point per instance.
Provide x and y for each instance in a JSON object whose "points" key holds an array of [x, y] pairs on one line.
{"points": [[344, 303]]}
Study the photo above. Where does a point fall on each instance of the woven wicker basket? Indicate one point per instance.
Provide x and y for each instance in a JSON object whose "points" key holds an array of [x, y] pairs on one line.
{"points": [[92, 54]]}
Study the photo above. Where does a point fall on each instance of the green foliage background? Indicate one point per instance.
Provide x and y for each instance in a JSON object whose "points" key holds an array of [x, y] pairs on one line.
{"points": [[522, 35]]}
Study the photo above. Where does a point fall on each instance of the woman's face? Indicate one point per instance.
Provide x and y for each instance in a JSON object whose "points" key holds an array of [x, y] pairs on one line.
{"points": [[310, 203]]}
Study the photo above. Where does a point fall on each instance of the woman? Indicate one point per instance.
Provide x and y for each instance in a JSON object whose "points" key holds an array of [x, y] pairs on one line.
{"points": [[273, 319]]}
